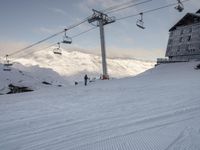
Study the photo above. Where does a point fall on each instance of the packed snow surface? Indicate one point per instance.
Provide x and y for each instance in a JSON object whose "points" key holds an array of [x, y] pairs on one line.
{"points": [[31, 77], [156, 110]]}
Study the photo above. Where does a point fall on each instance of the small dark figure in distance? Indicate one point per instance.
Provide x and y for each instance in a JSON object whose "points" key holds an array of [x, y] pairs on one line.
{"points": [[85, 79], [197, 67], [76, 83]]}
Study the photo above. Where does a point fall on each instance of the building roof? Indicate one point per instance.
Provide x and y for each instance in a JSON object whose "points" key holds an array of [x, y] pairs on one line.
{"points": [[188, 19]]}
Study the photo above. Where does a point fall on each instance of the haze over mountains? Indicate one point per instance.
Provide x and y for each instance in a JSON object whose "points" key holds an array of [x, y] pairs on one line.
{"points": [[74, 64], [44, 66]]}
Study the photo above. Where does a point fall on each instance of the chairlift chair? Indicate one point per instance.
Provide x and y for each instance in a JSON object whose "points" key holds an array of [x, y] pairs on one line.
{"points": [[180, 6], [57, 50], [6, 68], [140, 22], [66, 39], [7, 64]]}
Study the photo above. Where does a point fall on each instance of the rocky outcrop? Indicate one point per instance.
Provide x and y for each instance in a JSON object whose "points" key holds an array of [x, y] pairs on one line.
{"points": [[18, 89]]}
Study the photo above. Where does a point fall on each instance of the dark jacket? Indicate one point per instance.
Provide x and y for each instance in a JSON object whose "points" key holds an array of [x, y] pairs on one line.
{"points": [[86, 77]]}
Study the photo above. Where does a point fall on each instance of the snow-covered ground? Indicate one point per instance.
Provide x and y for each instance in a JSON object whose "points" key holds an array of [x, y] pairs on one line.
{"points": [[156, 110], [31, 77]]}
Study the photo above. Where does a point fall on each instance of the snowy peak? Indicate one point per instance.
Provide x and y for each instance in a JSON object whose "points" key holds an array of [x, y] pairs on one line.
{"points": [[46, 67], [74, 64]]}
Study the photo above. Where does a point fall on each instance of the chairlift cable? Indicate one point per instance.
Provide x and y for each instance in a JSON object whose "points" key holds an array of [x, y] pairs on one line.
{"points": [[52, 36], [69, 28], [119, 9], [84, 32], [118, 6], [86, 19], [36, 50], [32, 45], [74, 36], [151, 10]]}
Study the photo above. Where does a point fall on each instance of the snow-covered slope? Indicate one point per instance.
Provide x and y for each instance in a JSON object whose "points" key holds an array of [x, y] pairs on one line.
{"points": [[73, 64], [31, 77], [157, 110]]}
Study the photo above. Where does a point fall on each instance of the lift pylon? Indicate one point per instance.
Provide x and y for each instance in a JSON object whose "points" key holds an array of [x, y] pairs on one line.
{"points": [[180, 6], [102, 19]]}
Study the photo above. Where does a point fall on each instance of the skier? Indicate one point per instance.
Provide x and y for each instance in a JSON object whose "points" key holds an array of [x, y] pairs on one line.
{"points": [[86, 78]]}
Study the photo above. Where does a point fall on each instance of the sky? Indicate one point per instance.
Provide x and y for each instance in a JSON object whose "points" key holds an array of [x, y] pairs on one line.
{"points": [[23, 22]]}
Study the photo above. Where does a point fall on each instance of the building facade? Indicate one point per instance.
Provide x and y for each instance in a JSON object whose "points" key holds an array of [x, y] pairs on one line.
{"points": [[184, 39]]}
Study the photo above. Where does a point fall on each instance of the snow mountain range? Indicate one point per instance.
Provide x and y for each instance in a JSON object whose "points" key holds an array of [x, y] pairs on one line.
{"points": [[65, 69]]}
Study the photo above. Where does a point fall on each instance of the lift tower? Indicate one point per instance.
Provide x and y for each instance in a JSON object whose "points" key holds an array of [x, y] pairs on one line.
{"points": [[102, 19]]}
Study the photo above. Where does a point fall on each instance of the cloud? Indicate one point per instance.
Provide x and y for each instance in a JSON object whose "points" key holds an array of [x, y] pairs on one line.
{"points": [[59, 11], [115, 52], [101, 2], [10, 47], [98, 4], [47, 30], [145, 54], [112, 52], [7, 47]]}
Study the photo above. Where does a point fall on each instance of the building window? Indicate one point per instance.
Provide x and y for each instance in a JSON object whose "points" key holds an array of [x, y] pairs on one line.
{"points": [[171, 33], [181, 39], [170, 41], [196, 20], [187, 48], [181, 31], [178, 49], [189, 38]]}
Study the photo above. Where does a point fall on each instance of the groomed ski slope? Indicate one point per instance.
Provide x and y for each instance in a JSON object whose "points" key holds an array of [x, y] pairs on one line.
{"points": [[156, 110]]}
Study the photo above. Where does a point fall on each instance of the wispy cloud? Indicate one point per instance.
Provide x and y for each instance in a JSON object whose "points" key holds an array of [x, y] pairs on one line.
{"points": [[88, 5], [135, 53], [116, 52], [10, 47], [104, 3], [47, 30], [112, 52], [58, 11], [7, 47]]}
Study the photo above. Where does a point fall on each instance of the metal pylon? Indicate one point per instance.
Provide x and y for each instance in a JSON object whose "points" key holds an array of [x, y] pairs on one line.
{"points": [[102, 19]]}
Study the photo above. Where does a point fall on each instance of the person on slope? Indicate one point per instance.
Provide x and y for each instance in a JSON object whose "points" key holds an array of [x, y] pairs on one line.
{"points": [[85, 79]]}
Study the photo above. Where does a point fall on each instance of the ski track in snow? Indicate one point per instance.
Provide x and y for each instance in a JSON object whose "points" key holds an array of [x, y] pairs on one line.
{"points": [[152, 111]]}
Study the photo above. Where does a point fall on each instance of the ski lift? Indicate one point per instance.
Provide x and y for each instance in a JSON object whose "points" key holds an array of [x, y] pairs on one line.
{"points": [[180, 6], [57, 50], [6, 68], [7, 64], [66, 39], [140, 22]]}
